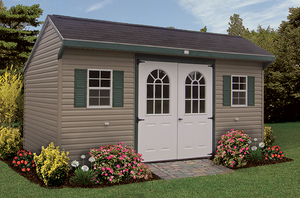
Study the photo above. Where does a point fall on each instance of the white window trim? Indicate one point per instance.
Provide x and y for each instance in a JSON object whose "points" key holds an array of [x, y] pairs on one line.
{"points": [[106, 88], [246, 95]]}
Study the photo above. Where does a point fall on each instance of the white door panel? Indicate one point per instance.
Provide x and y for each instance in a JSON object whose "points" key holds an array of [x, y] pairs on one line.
{"points": [[195, 129], [169, 130], [157, 134]]}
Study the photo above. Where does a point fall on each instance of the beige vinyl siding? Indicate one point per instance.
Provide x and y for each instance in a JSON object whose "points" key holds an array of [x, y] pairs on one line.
{"points": [[251, 117], [83, 128], [41, 83]]}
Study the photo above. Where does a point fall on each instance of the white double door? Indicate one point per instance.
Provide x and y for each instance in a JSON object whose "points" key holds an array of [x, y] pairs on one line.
{"points": [[174, 111]]}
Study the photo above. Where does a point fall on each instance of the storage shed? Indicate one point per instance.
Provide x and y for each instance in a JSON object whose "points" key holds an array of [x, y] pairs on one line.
{"points": [[168, 93]]}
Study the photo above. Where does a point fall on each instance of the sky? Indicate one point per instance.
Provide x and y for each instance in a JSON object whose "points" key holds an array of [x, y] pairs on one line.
{"points": [[181, 14]]}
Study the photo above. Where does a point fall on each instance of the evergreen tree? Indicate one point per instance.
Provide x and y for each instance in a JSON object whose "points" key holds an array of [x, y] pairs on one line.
{"points": [[16, 38], [203, 29], [282, 78]]}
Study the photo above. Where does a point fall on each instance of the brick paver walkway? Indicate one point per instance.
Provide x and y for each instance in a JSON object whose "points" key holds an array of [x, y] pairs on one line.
{"points": [[186, 168]]}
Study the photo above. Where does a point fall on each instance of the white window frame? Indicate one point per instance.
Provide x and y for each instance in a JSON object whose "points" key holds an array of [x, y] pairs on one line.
{"points": [[99, 88], [246, 91]]}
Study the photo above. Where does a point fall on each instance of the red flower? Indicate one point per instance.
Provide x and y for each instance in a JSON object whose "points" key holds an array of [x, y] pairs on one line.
{"points": [[25, 154], [269, 148], [280, 152], [25, 162], [22, 161], [266, 155], [18, 162], [32, 161], [16, 165], [23, 169], [266, 158], [275, 155], [279, 156], [32, 165], [29, 153], [282, 155], [272, 156], [21, 155], [28, 169], [276, 149], [16, 157]]}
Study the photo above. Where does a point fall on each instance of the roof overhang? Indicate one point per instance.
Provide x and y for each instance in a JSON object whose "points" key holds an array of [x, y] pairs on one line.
{"points": [[162, 50]]}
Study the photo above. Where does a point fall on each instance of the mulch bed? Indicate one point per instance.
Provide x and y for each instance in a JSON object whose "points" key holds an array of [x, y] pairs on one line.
{"points": [[263, 163], [33, 177]]}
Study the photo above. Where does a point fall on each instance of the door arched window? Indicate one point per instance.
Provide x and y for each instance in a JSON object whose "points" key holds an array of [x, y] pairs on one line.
{"points": [[195, 93], [158, 92]]}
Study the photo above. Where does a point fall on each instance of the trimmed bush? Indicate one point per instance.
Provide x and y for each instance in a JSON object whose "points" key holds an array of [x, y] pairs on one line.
{"points": [[268, 137], [115, 163], [51, 166], [233, 149], [10, 141]]}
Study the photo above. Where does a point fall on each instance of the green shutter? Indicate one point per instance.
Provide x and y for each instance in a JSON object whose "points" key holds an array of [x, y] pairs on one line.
{"points": [[251, 91], [118, 88], [80, 88], [226, 90]]}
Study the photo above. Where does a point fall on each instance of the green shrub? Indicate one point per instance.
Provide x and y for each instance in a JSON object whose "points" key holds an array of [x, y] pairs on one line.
{"points": [[268, 137], [233, 149], [10, 142], [115, 163], [51, 166], [83, 177], [255, 155]]}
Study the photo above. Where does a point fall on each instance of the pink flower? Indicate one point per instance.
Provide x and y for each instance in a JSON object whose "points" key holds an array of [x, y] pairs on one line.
{"points": [[111, 171], [120, 173], [118, 166], [105, 174], [103, 168]]}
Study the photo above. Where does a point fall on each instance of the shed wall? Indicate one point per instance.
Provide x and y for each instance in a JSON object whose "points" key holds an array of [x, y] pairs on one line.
{"points": [[83, 128], [40, 101], [250, 117]]}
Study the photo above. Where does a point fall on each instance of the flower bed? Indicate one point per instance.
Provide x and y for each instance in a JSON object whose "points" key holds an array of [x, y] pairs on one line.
{"points": [[33, 177]]}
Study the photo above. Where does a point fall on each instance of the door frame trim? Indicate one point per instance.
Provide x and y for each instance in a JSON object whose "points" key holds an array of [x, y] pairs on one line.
{"points": [[177, 59]]}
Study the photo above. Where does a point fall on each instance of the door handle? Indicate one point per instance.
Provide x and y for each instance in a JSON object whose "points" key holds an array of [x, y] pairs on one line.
{"points": [[180, 119], [139, 119]]}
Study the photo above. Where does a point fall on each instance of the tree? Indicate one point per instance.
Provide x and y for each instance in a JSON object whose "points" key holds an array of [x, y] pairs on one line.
{"points": [[2, 8], [203, 29], [282, 78], [16, 39], [236, 26], [10, 90]]}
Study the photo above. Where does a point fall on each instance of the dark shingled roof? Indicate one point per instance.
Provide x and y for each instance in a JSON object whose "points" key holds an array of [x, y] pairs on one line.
{"points": [[122, 33]]}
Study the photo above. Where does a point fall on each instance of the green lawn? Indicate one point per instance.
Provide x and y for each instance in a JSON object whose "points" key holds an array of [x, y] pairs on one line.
{"points": [[280, 180]]}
